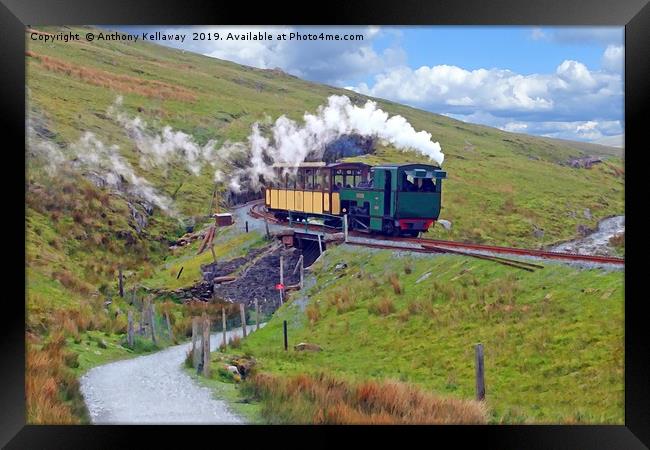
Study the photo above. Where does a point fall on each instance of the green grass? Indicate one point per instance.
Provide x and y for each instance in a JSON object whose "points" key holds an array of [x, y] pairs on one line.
{"points": [[501, 185], [553, 339], [230, 392]]}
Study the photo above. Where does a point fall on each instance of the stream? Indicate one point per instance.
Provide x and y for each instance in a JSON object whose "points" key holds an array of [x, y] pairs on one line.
{"points": [[596, 243], [154, 389]]}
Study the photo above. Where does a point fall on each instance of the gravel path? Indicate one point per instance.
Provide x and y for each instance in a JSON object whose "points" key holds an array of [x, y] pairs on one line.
{"points": [[154, 389]]}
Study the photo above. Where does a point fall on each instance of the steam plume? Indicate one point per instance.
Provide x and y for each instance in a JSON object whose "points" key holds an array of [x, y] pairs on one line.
{"points": [[292, 143]]}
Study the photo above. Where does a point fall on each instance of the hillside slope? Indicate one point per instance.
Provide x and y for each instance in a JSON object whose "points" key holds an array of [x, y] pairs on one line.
{"points": [[83, 228], [492, 173]]}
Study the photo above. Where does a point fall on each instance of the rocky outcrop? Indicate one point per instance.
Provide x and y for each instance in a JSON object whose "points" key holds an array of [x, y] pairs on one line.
{"points": [[584, 163]]}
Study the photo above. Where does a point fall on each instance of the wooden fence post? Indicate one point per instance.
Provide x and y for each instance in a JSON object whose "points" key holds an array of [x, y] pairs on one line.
{"points": [[320, 246], [281, 279], [152, 315], [242, 313], [223, 325], [266, 225], [345, 227], [121, 282], [257, 315], [286, 341], [129, 336], [196, 351], [480, 373], [247, 226], [169, 326], [302, 272], [206, 346]]}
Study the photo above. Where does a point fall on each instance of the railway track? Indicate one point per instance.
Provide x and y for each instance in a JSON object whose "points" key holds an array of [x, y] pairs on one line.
{"points": [[442, 246]]}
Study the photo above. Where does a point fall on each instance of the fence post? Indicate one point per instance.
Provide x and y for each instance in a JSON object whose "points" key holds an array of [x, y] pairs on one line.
{"points": [[121, 282], [480, 373], [129, 336], [152, 315], [223, 325], [284, 328], [257, 315], [266, 225], [302, 272], [133, 296], [247, 226], [206, 346], [169, 326], [320, 246], [281, 279], [242, 312], [345, 227], [196, 352]]}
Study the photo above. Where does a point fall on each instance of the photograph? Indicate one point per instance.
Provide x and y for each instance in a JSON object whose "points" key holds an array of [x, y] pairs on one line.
{"points": [[325, 225]]}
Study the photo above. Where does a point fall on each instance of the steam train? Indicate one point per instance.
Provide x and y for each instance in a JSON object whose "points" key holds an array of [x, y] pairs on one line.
{"points": [[393, 199]]}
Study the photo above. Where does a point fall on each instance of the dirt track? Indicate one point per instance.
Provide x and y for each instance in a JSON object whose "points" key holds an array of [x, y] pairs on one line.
{"points": [[154, 389]]}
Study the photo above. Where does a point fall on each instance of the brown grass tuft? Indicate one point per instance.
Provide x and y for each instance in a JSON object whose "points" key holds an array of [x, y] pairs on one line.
{"points": [[119, 82], [322, 399], [395, 283], [383, 307], [313, 313]]}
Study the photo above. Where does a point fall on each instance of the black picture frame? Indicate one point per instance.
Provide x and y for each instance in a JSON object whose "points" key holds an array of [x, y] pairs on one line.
{"points": [[633, 14]]}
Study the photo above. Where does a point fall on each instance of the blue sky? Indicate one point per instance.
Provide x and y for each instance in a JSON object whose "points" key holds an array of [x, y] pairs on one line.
{"points": [[564, 82]]}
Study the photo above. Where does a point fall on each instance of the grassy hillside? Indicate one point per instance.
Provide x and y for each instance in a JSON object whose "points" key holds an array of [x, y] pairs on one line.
{"points": [[501, 188], [553, 339]]}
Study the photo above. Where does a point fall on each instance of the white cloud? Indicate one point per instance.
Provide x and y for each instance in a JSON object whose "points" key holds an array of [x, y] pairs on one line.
{"points": [[612, 59], [579, 35], [571, 93], [330, 62]]}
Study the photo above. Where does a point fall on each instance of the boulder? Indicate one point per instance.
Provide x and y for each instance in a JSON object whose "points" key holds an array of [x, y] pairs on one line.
{"points": [[232, 369], [304, 346]]}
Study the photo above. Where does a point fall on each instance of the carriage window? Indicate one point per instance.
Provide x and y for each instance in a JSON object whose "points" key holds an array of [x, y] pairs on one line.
{"points": [[338, 181], [291, 182], [324, 179], [409, 183], [309, 179]]}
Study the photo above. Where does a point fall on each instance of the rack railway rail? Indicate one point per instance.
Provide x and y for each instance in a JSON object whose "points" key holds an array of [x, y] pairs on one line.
{"points": [[258, 211]]}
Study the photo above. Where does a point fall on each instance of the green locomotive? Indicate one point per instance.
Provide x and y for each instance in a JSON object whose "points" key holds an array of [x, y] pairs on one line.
{"points": [[393, 199]]}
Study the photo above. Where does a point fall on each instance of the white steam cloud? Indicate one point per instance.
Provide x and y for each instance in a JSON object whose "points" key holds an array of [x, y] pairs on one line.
{"points": [[292, 143], [240, 164], [160, 149]]}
